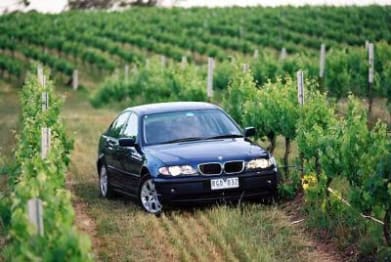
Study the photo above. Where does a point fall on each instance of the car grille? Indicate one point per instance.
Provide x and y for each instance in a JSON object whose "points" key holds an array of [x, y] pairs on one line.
{"points": [[230, 167], [210, 168], [233, 167]]}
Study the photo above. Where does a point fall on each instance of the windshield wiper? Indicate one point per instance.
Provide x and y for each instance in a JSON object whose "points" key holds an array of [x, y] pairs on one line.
{"points": [[225, 136], [186, 139]]}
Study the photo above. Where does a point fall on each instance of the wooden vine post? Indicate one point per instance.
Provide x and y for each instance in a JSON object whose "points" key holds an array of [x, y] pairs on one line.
{"points": [[300, 98], [183, 62], [283, 54], [45, 142], [209, 85], [45, 132], [245, 68], [371, 72], [35, 214], [163, 61], [322, 67], [75, 79], [300, 87], [126, 73], [241, 32]]}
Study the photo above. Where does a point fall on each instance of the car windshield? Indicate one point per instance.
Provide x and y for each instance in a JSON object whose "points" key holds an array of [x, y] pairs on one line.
{"points": [[180, 126]]}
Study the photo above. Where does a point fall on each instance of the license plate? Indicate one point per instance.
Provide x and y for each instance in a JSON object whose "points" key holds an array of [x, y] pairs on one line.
{"points": [[224, 183]]}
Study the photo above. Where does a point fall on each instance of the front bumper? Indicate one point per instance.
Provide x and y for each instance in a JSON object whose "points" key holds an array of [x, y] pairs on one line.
{"points": [[198, 188]]}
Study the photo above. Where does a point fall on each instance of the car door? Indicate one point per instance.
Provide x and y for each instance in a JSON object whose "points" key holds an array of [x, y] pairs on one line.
{"points": [[131, 159], [111, 147]]}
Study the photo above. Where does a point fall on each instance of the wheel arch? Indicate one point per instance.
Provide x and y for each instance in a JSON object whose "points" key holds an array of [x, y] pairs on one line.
{"points": [[99, 163], [144, 172]]}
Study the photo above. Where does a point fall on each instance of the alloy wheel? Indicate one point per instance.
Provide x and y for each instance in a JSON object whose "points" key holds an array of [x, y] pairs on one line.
{"points": [[103, 181], [149, 198]]}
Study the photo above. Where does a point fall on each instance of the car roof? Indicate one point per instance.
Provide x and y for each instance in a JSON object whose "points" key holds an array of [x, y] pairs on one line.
{"points": [[170, 107]]}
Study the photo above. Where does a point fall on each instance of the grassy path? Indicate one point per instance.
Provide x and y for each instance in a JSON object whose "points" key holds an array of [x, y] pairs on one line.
{"points": [[121, 231]]}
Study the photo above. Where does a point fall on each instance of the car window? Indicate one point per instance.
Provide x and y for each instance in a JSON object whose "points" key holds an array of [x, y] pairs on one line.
{"points": [[131, 128], [163, 127], [118, 124]]}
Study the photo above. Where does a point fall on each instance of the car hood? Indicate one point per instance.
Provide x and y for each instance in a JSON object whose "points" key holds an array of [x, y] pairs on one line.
{"points": [[195, 152]]}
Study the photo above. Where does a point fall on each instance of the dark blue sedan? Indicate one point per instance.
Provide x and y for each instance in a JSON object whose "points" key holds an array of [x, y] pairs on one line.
{"points": [[182, 152]]}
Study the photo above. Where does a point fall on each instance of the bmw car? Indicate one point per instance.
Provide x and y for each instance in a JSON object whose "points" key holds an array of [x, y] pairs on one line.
{"points": [[182, 152]]}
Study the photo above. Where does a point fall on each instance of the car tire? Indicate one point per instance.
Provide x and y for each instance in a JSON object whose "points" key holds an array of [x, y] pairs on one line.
{"points": [[147, 196], [105, 188]]}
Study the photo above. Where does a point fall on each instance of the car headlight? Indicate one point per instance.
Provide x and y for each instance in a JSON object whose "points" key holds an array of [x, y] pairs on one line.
{"points": [[261, 163], [177, 170]]}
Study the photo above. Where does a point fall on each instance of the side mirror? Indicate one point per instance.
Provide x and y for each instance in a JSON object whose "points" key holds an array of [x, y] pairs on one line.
{"points": [[125, 142], [249, 131]]}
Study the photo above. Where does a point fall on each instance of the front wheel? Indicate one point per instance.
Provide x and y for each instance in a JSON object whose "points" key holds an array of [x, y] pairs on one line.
{"points": [[104, 185], [148, 197]]}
